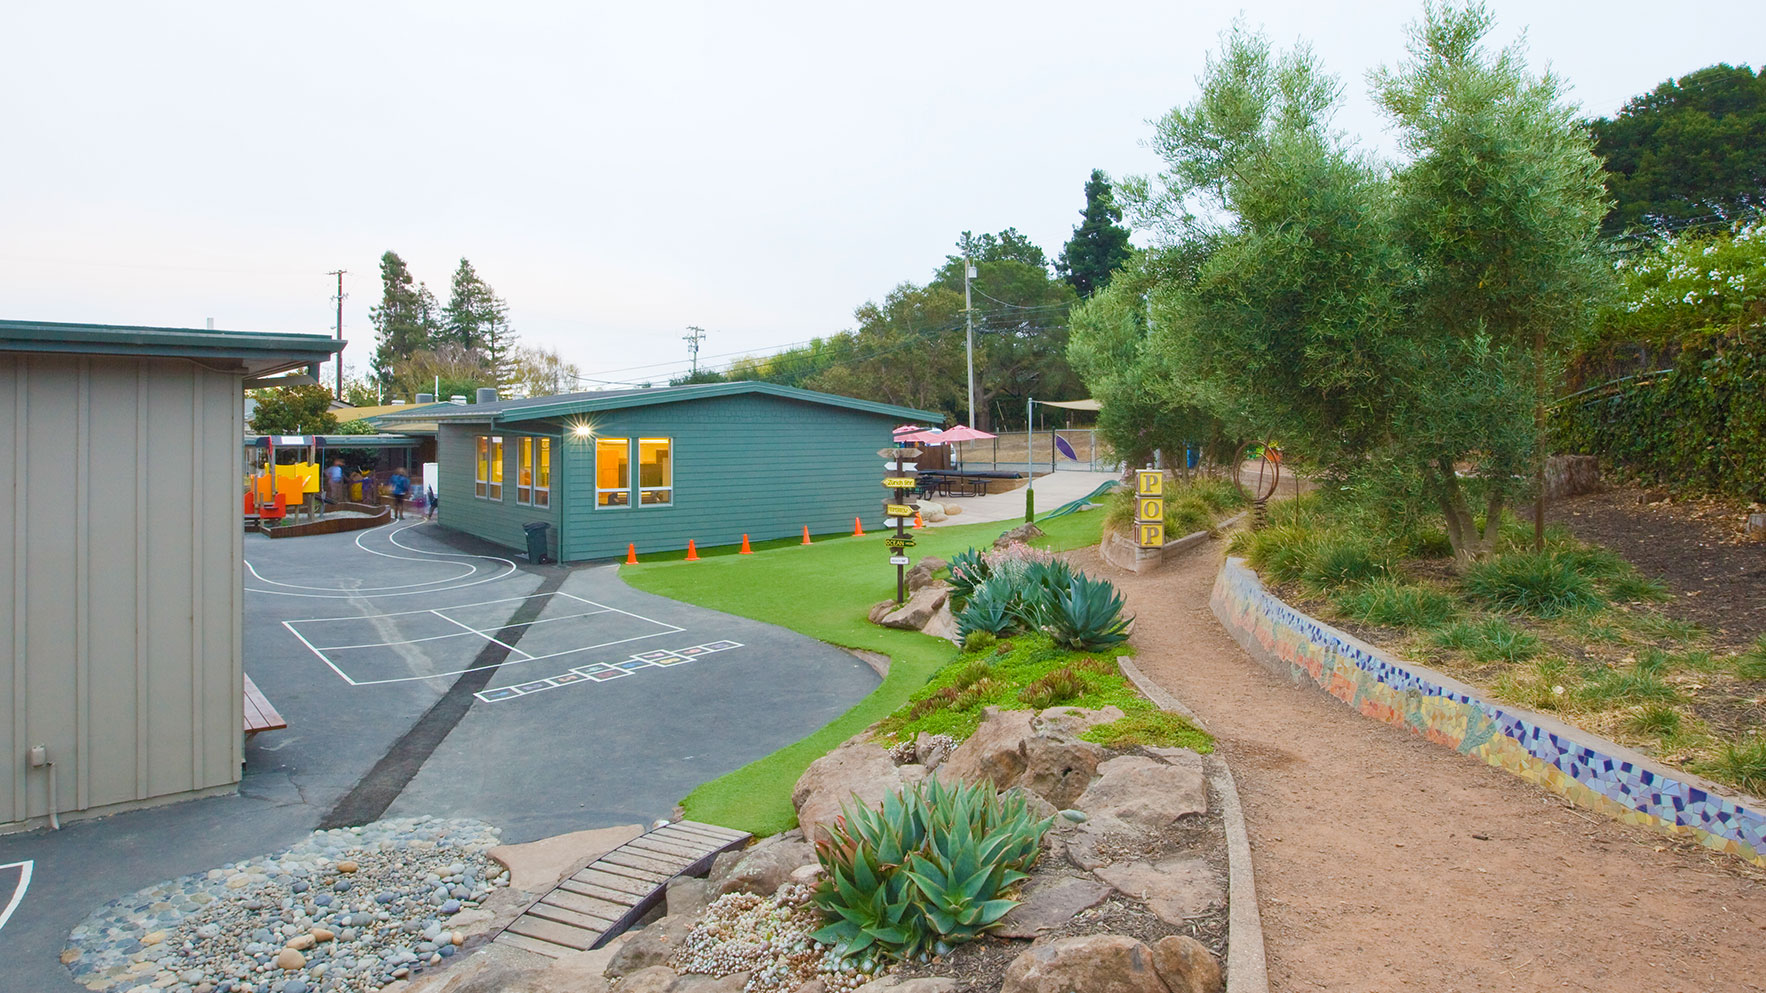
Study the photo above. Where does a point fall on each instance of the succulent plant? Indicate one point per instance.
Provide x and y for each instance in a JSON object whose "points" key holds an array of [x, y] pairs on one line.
{"points": [[968, 569], [989, 609], [926, 871], [1089, 615]]}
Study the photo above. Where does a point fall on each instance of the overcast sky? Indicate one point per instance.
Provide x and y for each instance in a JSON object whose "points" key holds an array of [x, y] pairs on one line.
{"points": [[620, 171]]}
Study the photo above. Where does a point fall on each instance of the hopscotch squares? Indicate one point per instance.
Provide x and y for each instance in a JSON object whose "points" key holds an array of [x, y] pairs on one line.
{"points": [[600, 672]]}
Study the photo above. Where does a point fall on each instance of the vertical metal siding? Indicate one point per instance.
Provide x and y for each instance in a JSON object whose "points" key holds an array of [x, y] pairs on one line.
{"points": [[119, 483]]}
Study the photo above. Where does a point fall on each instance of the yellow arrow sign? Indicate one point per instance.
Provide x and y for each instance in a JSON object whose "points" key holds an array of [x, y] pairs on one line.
{"points": [[900, 482], [898, 510]]}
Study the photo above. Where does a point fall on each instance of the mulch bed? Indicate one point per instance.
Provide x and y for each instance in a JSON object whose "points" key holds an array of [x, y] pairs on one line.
{"points": [[1699, 548]]}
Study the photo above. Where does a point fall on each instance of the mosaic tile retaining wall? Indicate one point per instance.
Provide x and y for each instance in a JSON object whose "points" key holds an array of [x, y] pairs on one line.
{"points": [[1583, 768]]}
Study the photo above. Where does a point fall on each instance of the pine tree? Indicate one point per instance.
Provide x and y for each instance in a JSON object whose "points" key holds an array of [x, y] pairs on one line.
{"points": [[403, 322], [1100, 243], [472, 309]]}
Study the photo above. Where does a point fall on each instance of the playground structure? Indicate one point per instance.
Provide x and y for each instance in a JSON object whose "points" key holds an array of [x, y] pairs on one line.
{"points": [[274, 489]]}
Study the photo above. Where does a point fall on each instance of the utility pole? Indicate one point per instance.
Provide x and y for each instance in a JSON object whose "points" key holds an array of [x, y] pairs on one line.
{"points": [[693, 341], [969, 336], [339, 274]]}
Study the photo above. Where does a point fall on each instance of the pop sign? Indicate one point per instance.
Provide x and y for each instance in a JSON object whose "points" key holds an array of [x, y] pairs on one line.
{"points": [[1149, 508]]}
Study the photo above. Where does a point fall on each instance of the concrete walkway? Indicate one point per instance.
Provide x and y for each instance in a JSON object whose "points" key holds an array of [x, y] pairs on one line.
{"points": [[1052, 491]]}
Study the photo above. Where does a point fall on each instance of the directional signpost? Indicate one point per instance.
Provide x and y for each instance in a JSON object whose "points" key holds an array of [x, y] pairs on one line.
{"points": [[1149, 507], [897, 462]]}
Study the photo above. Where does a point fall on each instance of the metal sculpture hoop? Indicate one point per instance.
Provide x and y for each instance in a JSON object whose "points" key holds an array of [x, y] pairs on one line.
{"points": [[1269, 473]]}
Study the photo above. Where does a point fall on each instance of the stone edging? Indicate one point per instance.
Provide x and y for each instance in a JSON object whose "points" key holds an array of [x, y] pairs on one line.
{"points": [[1120, 552], [1585, 769], [1247, 971], [381, 516]]}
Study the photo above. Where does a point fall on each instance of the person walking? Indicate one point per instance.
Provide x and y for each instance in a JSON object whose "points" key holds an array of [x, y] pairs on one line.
{"points": [[433, 501], [401, 488], [334, 482]]}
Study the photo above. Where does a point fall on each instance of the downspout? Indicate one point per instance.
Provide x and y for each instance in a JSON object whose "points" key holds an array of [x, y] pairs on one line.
{"points": [[40, 760]]}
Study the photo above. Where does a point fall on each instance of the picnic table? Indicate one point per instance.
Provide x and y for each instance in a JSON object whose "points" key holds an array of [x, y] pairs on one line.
{"points": [[967, 482]]}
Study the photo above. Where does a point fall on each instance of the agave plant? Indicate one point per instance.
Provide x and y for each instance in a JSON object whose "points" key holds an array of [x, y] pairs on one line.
{"points": [[1038, 591], [926, 871], [968, 569], [1089, 615], [989, 609]]}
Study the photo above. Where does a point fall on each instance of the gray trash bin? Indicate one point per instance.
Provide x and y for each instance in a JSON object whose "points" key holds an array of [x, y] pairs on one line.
{"points": [[536, 541]]}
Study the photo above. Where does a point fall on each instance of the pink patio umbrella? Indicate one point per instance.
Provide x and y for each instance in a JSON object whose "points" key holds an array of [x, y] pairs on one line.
{"points": [[960, 433]]}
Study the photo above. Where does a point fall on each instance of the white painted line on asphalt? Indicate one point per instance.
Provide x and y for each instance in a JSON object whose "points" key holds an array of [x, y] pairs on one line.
{"points": [[487, 634], [411, 589], [18, 893]]}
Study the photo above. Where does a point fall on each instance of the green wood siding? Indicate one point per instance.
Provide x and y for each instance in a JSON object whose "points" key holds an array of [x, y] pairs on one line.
{"points": [[496, 521], [750, 464]]}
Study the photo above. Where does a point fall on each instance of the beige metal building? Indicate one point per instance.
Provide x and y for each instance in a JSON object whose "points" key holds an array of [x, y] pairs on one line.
{"points": [[120, 561]]}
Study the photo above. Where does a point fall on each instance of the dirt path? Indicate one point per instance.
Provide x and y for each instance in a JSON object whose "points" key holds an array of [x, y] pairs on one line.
{"points": [[1387, 863]]}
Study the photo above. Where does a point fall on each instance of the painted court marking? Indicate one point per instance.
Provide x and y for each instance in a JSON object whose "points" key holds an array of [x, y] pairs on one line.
{"points": [[18, 890], [310, 631], [403, 589], [600, 672]]}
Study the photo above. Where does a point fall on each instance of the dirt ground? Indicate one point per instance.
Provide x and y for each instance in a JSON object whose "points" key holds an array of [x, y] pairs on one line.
{"points": [[1698, 548], [1387, 863]]}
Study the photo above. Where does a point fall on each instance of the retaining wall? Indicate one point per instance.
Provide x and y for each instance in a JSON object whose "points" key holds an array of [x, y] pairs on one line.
{"points": [[1586, 769]]}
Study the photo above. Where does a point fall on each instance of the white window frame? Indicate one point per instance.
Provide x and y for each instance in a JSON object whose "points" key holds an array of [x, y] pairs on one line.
{"points": [[638, 473], [480, 466], [542, 495], [629, 479]]}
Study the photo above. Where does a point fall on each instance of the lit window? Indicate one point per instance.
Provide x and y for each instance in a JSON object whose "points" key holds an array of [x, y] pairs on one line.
{"points": [[613, 472], [494, 487], [542, 472], [481, 461], [524, 470], [655, 471]]}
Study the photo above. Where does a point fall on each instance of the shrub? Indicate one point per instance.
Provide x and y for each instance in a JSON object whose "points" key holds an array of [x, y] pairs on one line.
{"points": [[1400, 605], [1280, 551], [1341, 561], [1544, 584], [1656, 719], [924, 873], [1634, 587], [1088, 616], [1491, 639], [1056, 688], [975, 641]]}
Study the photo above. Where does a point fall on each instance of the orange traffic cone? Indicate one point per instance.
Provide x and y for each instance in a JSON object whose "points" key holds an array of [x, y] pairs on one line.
{"points": [[692, 553], [806, 534], [631, 554], [917, 522], [858, 530], [745, 549]]}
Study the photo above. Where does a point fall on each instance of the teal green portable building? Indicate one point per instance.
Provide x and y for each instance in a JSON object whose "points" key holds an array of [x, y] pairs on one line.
{"points": [[656, 467]]}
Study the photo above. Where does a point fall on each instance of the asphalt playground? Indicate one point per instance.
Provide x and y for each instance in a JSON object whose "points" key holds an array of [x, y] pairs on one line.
{"points": [[422, 672]]}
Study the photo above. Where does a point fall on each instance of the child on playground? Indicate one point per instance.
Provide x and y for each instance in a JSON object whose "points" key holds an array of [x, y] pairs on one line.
{"points": [[401, 488]]}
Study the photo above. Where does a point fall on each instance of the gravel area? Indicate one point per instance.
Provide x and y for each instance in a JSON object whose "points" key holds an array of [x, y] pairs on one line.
{"points": [[346, 911]]}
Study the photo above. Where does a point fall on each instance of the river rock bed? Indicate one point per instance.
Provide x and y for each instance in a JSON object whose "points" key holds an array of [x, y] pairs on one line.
{"points": [[346, 911]]}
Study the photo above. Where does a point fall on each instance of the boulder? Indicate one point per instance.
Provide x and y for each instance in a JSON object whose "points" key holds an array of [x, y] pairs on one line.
{"points": [[1018, 535], [994, 753], [1136, 792], [856, 768], [1074, 720], [654, 979], [930, 750], [919, 608], [813, 986], [1101, 963], [687, 897], [1177, 890], [1059, 767], [952, 509], [653, 945], [880, 610], [896, 984], [942, 624], [767, 866], [920, 575], [1186, 965], [1049, 902]]}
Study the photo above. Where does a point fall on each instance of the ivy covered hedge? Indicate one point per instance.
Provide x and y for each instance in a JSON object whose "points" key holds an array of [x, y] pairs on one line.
{"points": [[1691, 327]]}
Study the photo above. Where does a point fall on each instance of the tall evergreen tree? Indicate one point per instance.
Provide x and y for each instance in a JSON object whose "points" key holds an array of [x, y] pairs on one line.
{"points": [[472, 309], [1100, 243], [1693, 149], [403, 322]]}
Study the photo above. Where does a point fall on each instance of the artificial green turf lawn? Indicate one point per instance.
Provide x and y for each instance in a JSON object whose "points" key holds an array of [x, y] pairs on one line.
{"points": [[823, 590]]}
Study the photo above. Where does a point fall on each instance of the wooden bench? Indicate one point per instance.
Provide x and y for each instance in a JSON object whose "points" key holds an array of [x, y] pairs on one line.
{"points": [[259, 715]]}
